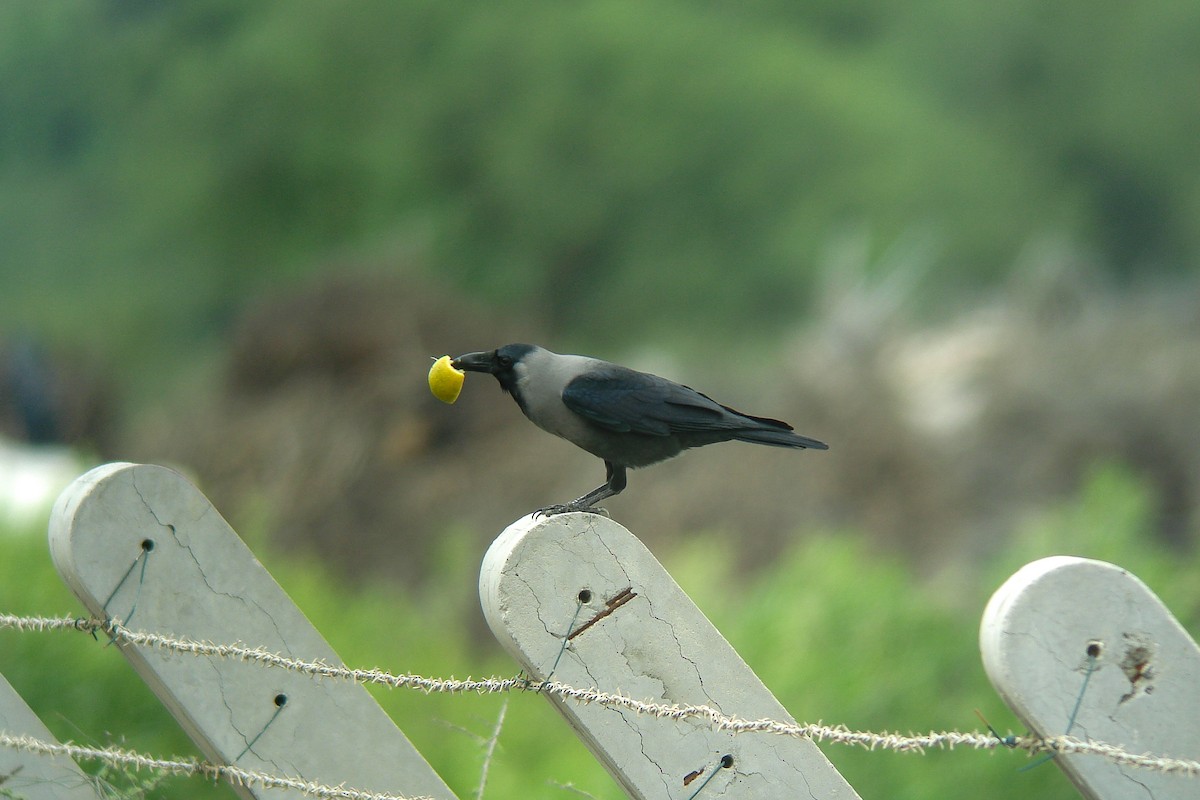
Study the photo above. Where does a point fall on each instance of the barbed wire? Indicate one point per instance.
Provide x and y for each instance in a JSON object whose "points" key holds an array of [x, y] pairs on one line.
{"points": [[192, 767], [820, 732]]}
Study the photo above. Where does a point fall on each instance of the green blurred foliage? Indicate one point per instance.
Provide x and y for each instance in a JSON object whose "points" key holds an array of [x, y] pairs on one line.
{"points": [[838, 632], [658, 162]]}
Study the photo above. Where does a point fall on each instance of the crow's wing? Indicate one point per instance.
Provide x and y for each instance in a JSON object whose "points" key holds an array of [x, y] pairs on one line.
{"points": [[627, 401]]}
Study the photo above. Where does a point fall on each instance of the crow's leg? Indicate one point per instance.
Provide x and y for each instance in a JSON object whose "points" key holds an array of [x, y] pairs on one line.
{"points": [[614, 485]]}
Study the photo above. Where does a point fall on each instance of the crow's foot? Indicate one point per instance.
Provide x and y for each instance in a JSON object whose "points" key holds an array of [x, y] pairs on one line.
{"points": [[564, 508]]}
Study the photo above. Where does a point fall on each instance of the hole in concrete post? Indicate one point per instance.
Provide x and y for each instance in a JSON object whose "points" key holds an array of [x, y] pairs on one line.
{"points": [[1094, 649], [726, 761], [585, 596], [280, 700], [147, 545]]}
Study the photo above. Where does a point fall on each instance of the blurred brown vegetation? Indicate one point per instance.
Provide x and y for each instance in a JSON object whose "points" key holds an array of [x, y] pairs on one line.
{"points": [[944, 435]]}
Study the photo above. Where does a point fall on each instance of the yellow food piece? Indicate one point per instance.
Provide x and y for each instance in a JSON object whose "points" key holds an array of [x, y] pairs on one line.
{"points": [[445, 381]]}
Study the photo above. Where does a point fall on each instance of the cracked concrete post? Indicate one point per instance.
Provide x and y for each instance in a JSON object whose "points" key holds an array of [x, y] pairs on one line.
{"points": [[1061, 621], [630, 629], [32, 776], [140, 544]]}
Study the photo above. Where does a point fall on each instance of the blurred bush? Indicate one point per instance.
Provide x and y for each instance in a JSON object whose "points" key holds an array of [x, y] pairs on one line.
{"points": [[319, 428]]}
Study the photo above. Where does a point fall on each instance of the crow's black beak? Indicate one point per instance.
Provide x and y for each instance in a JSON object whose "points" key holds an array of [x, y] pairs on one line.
{"points": [[474, 362]]}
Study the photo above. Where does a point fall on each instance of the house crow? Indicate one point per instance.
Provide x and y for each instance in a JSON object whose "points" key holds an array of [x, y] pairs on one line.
{"points": [[625, 417]]}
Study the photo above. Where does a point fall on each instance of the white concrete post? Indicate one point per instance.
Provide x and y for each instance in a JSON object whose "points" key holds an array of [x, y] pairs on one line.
{"points": [[33, 776], [1063, 622], [140, 544], [584, 581]]}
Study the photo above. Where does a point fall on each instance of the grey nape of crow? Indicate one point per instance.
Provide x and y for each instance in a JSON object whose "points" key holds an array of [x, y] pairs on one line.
{"points": [[626, 417]]}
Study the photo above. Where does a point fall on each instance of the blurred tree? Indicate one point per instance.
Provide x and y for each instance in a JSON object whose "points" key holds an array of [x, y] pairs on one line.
{"points": [[661, 162]]}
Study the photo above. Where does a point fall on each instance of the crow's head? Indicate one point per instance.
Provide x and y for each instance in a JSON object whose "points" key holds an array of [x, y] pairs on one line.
{"points": [[503, 362]]}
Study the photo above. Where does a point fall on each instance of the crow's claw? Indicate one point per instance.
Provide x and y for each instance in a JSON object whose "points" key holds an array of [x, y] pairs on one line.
{"points": [[565, 508]]}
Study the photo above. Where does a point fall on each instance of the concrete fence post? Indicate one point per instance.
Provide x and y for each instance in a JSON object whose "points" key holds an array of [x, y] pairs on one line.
{"points": [[32, 776], [140, 544], [578, 599], [1085, 648]]}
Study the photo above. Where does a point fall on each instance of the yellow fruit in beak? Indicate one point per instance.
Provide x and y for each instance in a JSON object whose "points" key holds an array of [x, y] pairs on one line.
{"points": [[445, 381]]}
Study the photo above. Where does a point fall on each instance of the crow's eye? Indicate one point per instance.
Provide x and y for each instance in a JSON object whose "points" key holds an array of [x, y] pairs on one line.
{"points": [[504, 361]]}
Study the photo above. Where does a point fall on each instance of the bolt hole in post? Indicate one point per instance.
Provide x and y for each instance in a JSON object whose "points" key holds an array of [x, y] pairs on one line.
{"points": [[584, 597], [144, 558], [1094, 649], [280, 700], [725, 763]]}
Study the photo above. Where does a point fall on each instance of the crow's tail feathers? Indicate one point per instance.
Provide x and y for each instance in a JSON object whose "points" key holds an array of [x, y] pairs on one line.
{"points": [[773, 432], [779, 438]]}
